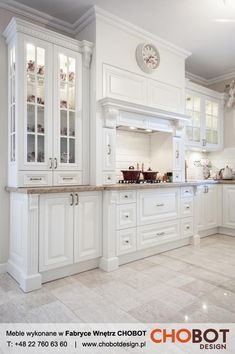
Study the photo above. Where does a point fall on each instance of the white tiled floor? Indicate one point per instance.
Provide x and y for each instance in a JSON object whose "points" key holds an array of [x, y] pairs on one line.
{"points": [[187, 284]]}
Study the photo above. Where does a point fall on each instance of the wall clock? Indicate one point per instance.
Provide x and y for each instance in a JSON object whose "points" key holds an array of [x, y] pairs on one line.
{"points": [[147, 57]]}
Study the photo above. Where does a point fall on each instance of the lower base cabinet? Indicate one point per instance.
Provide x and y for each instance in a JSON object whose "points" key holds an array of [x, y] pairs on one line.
{"points": [[207, 207], [229, 206], [70, 229]]}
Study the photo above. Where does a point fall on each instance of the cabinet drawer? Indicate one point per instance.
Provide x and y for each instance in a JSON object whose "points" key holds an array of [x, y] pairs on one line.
{"points": [[126, 216], [186, 207], [126, 241], [154, 206], [187, 192], [62, 178], [109, 178], [35, 178], [127, 197], [187, 227], [151, 235]]}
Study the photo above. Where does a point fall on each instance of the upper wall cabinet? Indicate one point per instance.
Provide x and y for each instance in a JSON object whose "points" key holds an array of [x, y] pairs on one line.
{"points": [[46, 110], [205, 129]]}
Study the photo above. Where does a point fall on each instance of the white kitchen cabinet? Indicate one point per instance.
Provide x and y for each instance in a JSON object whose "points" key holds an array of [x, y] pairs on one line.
{"points": [[205, 128], [55, 231], [206, 207], [178, 159], [46, 73], [109, 149], [157, 205], [87, 226], [70, 229], [229, 206]]}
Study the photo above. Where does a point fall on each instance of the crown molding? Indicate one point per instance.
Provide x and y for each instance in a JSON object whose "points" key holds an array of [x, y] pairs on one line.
{"points": [[96, 12], [207, 82], [38, 16]]}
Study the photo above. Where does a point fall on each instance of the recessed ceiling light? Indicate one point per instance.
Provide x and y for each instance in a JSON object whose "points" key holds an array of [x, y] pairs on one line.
{"points": [[204, 306], [149, 130], [132, 128], [186, 318]]}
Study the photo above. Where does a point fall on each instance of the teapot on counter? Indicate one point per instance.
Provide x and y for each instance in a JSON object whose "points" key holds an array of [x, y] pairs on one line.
{"points": [[226, 173]]}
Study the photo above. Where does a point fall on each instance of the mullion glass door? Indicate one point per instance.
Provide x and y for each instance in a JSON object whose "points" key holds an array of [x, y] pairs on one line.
{"points": [[69, 132], [212, 122], [35, 101], [193, 129]]}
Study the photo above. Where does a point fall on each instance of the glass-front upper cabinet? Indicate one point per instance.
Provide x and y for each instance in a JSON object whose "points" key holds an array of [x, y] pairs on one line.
{"points": [[68, 106], [205, 108], [38, 101], [193, 128], [12, 105], [212, 122]]}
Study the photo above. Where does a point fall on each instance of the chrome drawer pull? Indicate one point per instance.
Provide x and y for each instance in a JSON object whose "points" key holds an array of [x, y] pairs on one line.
{"points": [[35, 179], [67, 178], [161, 233], [127, 216], [72, 199], [108, 177], [127, 241], [50, 163], [187, 207], [159, 205], [77, 199], [126, 196], [187, 227], [109, 149], [56, 163]]}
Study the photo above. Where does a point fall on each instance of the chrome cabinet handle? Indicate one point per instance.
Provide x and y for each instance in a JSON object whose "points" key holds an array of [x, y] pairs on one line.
{"points": [[67, 178], [127, 241], [159, 205], [187, 207], [126, 196], [109, 149], [203, 142], [177, 154], [72, 199], [161, 233], [127, 216], [35, 178], [77, 199], [50, 163], [56, 163], [187, 227]]}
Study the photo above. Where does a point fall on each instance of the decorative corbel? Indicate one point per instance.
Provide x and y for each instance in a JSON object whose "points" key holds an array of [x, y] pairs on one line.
{"points": [[86, 54], [110, 116]]}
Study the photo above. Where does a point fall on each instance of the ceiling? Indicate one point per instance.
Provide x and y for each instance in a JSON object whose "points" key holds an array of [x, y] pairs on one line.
{"points": [[190, 24]]}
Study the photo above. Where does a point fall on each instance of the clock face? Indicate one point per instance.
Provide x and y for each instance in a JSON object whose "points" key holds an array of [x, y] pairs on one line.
{"points": [[147, 57], [150, 56]]}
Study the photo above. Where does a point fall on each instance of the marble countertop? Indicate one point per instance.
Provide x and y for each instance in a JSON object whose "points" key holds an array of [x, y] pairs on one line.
{"points": [[118, 187], [57, 189]]}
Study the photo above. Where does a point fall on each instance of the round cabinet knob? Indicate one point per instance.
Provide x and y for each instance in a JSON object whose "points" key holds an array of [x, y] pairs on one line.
{"points": [[126, 196], [187, 227], [127, 241], [127, 216], [187, 207]]}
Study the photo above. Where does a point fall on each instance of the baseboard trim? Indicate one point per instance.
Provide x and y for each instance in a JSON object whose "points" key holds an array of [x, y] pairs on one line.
{"points": [[209, 232], [3, 268], [226, 231]]}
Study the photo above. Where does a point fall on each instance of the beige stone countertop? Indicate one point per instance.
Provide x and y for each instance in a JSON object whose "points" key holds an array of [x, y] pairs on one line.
{"points": [[57, 189], [118, 187]]}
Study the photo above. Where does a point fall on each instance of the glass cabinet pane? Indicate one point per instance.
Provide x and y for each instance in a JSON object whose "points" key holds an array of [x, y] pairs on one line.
{"points": [[67, 106], [212, 116], [12, 105], [193, 109], [35, 64]]}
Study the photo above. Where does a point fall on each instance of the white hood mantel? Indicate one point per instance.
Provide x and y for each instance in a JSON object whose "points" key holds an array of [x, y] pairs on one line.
{"points": [[119, 112]]}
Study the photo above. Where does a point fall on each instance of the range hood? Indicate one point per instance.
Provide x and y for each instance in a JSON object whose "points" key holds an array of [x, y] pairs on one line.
{"points": [[123, 113]]}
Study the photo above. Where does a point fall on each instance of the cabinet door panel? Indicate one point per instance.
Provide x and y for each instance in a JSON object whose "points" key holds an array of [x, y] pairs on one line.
{"points": [[56, 231], [200, 208], [35, 134], [211, 207], [88, 227], [109, 152], [68, 109], [229, 206]]}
